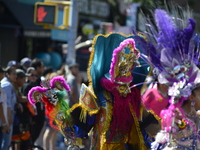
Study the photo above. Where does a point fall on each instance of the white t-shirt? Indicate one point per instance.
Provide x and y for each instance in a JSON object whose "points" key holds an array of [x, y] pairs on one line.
{"points": [[3, 101]]}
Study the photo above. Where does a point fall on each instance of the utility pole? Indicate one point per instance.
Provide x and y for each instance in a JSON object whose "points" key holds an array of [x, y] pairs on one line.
{"points": [[71, 54]]}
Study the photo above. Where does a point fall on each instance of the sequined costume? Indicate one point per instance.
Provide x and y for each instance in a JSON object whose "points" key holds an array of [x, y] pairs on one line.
{"points": [[111, 96], [184, 139], [175, 59], [109, 108]]}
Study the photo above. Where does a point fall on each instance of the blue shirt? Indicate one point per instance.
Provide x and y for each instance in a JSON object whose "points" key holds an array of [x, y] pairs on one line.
{"points": [[4, 104], [10, 93]]}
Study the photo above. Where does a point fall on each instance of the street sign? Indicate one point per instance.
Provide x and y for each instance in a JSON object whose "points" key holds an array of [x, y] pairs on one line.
{"points": [[45, 13]]}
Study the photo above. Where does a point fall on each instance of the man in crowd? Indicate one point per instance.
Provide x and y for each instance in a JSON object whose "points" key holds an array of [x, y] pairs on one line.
{"points": [[38, 128], [72, 81], [4, 128]]}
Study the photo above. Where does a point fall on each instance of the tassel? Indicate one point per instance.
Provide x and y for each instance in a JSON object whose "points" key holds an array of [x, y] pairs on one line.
{"points": [[83, 115]]}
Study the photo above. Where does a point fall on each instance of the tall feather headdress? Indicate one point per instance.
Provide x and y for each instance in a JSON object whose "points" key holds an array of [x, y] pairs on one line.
{"points": [[173, 36], [172, 32]]}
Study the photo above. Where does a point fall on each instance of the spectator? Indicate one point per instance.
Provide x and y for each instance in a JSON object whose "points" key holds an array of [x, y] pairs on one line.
{"points": [[4, 128], [50, 134], [47, 71], [38, 128], [39, 68], [22, 120], [25, 63], [7, 85], [62, 71], [79, 79], [72, 81], [30, 81], [20, 81]]}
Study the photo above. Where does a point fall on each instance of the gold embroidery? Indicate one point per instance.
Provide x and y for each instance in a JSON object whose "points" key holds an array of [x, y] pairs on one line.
{"points": [[107, 95]]}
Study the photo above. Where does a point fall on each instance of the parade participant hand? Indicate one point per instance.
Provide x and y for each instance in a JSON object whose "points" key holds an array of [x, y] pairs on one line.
{"points": [[179, 119], [178, 114]]}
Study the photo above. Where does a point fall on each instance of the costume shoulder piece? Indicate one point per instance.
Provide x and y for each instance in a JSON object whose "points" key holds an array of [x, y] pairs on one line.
{"points": [[87, 103]]}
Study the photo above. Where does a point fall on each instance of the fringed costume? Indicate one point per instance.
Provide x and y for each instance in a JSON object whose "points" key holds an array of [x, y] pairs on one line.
{"points": [[111, 95], [109, 108]]}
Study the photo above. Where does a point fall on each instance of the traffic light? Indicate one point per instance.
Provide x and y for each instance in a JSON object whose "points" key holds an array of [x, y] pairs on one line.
{"points": [[45, 13]]}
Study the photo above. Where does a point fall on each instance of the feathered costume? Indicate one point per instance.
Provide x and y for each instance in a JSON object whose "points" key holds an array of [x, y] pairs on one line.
{"points": [[175, 58], [53, 94], [118, 102], [109, 108]]}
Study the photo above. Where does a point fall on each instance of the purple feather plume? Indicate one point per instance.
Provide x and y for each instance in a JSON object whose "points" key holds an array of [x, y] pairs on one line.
{"points": [[188, 34], [167, 29]]}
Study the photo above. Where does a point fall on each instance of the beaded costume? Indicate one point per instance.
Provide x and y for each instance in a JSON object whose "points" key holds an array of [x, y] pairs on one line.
{"points": [[117, 102], [175, 58], [109, 108]]}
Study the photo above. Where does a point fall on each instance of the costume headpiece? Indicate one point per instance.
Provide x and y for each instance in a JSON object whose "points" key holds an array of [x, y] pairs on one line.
{"points": [[53, 93], [124, 58], [175, 58], [100, 53], [48, 89]]}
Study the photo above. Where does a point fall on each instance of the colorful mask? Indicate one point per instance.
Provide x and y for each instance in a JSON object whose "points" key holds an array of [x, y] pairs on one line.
{"points": [[125, 57]]}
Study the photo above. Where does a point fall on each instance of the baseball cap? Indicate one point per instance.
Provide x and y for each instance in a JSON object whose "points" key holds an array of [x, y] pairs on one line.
{"points": [[12, 63], [25, 62], [73, 65], [21, 73], [28, 71]]}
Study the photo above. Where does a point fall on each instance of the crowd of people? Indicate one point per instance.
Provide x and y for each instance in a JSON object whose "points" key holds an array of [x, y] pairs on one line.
{"points": [[24, 126]]}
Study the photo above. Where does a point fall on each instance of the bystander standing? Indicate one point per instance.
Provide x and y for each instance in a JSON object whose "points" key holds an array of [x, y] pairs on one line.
{"points": [[4, 128]]}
